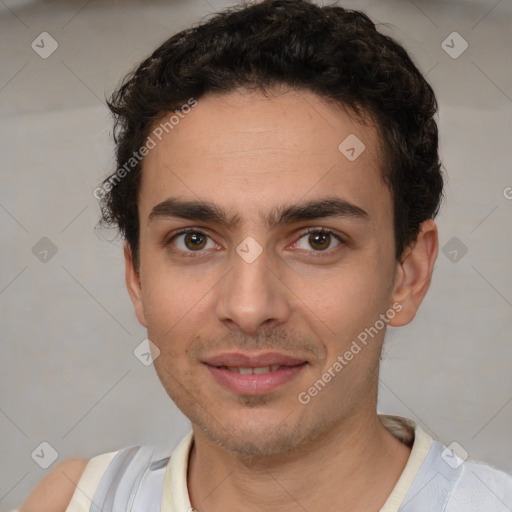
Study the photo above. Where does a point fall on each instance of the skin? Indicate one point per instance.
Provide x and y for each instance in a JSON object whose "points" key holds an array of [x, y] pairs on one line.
{"points": [[252, 155], [53, 493], [230, 150]]}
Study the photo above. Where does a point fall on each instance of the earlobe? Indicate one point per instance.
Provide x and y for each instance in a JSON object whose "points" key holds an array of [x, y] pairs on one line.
{"points": [[414, 273], [134, 286]]}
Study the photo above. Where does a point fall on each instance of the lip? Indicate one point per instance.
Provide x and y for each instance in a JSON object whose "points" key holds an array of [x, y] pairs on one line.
{"points": [[254, 384]]}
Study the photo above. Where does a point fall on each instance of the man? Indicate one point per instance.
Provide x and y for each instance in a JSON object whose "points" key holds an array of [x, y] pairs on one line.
{"points": [[278, 176]]}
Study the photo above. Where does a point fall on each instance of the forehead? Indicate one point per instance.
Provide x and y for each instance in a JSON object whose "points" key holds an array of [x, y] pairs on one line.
{"points": [[251, 153]]}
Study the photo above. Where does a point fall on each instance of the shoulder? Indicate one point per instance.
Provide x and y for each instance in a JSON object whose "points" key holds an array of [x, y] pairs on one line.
{"points": [[53, 493], [447, 482], [480, 484], [106, 477]]}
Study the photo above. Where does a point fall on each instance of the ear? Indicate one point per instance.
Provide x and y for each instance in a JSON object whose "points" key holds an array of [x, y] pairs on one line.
{"points": [[134, 285], [414, 273]]}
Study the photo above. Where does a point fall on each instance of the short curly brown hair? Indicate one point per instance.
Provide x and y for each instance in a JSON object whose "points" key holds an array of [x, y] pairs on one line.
{"points": [[334, 52]]}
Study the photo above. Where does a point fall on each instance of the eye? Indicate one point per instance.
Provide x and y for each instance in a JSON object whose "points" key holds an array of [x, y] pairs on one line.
{"points": [[194, 240], [191, 240], [320, 239]]}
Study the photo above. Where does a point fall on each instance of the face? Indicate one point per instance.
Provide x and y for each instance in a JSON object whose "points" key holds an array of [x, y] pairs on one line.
{"points": [[287, 259]]}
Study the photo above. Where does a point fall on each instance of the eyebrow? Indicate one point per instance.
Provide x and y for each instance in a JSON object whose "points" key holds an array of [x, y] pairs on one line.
{"points": [[205, 211]]}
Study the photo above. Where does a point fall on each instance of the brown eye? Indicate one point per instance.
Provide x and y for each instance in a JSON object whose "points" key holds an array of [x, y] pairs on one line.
{"points": [[188, 241], [319, 240], [194, 241]]}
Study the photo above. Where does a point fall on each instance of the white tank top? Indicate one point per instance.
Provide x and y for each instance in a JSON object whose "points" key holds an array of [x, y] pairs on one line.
{"points": [[434, 479]]}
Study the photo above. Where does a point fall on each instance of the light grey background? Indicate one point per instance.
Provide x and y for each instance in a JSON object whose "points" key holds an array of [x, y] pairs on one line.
{"points": [[69, 376]]}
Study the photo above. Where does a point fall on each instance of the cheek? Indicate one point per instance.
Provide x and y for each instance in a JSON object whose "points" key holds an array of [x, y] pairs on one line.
{"points": [[176, 305], [349, 294], [168, 290], [348, 309]]}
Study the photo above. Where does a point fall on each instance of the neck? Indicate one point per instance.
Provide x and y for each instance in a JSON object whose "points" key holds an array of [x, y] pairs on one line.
{"points": [[352, 468]]}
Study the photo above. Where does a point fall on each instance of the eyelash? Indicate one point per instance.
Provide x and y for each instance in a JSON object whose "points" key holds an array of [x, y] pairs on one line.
{"points": [[316, 254]]}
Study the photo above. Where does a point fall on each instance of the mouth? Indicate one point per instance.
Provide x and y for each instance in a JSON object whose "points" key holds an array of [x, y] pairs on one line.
{"points": [[258, 370], [255, 374]]}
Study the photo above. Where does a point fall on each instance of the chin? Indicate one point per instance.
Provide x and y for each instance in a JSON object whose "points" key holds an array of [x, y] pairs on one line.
{"points": [[246, 442], [256, 426], [259, 436]]}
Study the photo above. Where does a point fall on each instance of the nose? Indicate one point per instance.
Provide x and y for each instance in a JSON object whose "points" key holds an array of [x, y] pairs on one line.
{"points": [[252, 296]]}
